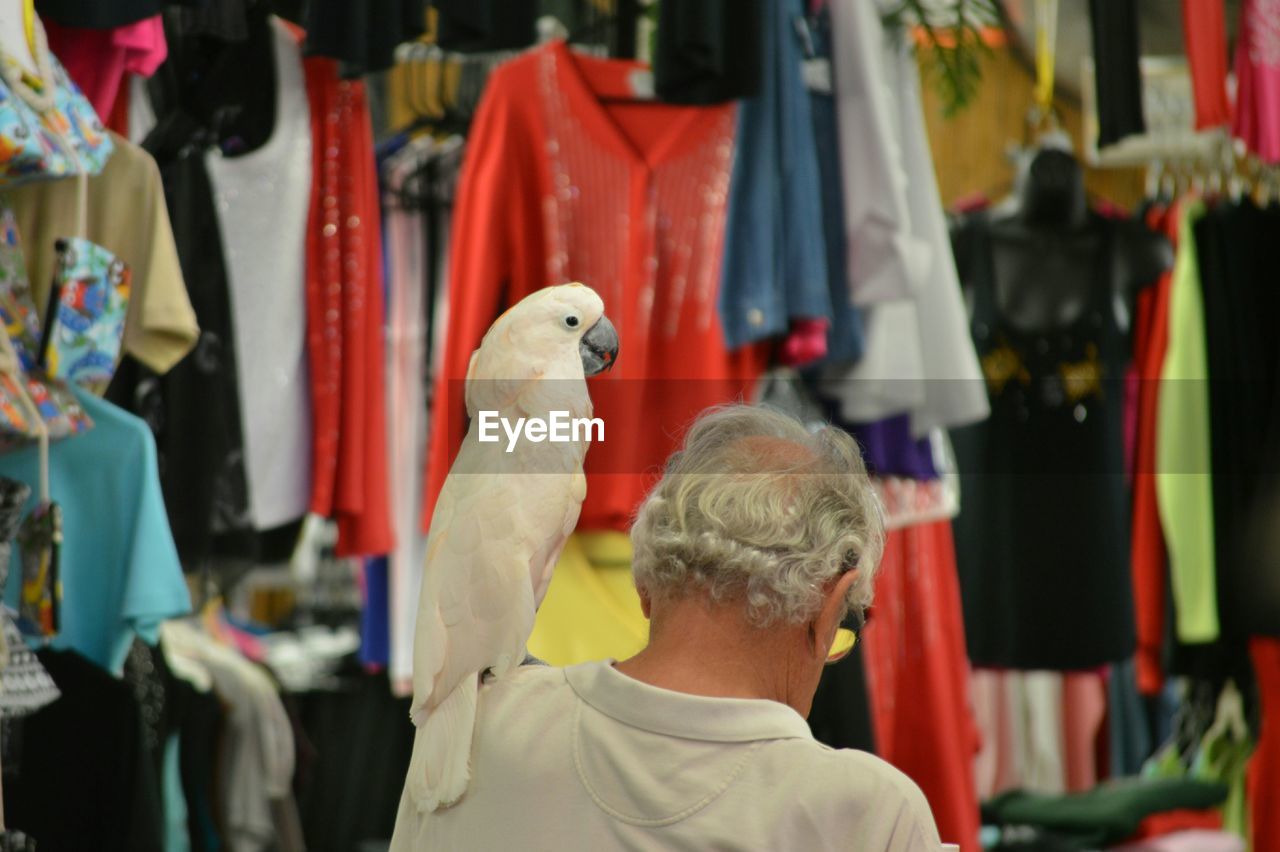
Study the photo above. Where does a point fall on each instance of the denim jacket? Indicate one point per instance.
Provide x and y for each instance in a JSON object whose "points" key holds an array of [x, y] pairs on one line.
{"points": [[775, 255]]}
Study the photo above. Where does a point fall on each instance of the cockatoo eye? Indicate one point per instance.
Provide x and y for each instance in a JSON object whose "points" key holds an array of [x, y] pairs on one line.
{"points": [[571, 321]]}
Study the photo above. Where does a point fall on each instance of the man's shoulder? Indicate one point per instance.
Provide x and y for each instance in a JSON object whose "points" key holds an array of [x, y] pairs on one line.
{"points": [[524, 683], [841, 776]]}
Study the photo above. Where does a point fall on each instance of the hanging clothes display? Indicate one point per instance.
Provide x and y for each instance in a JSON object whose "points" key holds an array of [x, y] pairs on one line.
{"points": [[845, 337], [99, 59], [194, 409], [1183, 447], [1148, 553], [887, 260], [918, 357], [569, 178], [1053, 449], [120, 570], [475, 25], [25, 686], [1116, 48], [1257, 67], [362, 36], [415, 234], [344, 315], [109, 801], [918, 676], [262, 204], [102, 15], [1234, 245], [161, 327], [49, 133], [1205, 32], [711, 52], [1264, 769], [774, 269]]}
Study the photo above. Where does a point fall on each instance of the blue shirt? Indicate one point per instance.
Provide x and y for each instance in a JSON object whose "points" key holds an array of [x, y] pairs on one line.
{"points": [[120, 571], [775, 266]]}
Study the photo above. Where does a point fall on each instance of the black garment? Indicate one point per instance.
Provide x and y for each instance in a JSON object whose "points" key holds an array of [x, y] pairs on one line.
{"points": [[226, 20], [226, 87], [1116, 72], [98, 15], [194, 409], [1042, 539], [476, 25], [354, 785], [841, 715], [708, 51], [1236, 251], [82, 779], [199, 735], [363, 36]]}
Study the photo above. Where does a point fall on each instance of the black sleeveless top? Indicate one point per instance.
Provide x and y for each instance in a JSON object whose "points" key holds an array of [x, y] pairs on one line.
{"points": [[1042, 538]]}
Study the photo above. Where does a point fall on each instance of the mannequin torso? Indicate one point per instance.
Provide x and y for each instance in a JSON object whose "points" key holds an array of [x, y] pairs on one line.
{"points": [[1048, 256]]}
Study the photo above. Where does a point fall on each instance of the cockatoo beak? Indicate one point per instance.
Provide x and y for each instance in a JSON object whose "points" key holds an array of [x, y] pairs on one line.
{"points": [[599, 347]]}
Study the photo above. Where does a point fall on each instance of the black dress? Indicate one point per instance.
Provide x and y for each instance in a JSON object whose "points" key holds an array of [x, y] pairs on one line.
{"points": [[709, 52], [1042, 538], [76, 773], [362, 36], [1117, 71], [1236, 251]]}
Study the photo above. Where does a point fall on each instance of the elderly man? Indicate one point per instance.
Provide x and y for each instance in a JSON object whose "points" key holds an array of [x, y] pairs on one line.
{"points": [[756, 544]]}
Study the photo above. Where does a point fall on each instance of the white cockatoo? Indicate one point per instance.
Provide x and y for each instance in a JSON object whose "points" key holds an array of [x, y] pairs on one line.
{"points": [[500, 522]]}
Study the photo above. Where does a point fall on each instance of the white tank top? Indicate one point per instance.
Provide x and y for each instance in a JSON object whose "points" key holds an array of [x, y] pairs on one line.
{"points": [[262, 199]]}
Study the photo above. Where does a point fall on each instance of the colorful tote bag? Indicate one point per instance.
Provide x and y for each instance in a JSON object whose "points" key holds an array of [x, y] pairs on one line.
{"points": [[40, 542], [48, 128], [19, 352], [84, 325]]}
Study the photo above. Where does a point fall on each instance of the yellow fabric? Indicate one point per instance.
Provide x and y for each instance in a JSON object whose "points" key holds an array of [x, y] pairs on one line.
{"points": [[1184, 481], [127, 215], [591, 611], [29, 23], [1046, 48]]}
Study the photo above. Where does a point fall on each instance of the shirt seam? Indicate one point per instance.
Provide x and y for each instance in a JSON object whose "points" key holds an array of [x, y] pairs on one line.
{"points": [[658, 821]]}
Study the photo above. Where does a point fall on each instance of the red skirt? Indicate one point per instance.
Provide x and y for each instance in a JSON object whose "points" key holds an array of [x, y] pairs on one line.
{"points": [[918, 676]]}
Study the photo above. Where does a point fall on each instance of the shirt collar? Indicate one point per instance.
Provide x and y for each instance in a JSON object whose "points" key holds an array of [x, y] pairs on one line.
{"points": [[678, 714]]}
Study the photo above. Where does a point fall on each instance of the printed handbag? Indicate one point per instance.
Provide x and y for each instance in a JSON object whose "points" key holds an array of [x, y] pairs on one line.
{"points": [[40, 541], [48, 129], [19, 349], [84, 323]]}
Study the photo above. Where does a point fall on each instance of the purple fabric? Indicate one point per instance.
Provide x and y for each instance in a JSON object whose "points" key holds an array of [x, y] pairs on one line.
{"points": [[890, 450], [375, 631]]}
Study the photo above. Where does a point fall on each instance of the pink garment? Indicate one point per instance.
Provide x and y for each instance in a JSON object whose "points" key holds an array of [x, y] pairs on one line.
{"points": [[806, 342], [998, 765], [1020, 720], [98, 59], [1257, 118], [1084, 705]]}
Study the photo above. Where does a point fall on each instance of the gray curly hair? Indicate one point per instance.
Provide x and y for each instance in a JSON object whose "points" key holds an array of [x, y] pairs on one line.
{"points": [[756, 507]]}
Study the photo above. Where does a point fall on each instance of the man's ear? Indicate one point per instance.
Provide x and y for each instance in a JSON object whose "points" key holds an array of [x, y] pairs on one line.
{"points": [[645, 602], [833, 609]]}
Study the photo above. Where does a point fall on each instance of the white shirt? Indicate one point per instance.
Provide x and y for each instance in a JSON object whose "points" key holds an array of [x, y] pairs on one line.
{"points": [[263, 200], [919, 358], [588, 758]]}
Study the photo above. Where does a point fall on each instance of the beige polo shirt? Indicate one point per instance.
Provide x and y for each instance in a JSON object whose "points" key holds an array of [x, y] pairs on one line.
{"points": [[589, 758], [126, 214]]}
